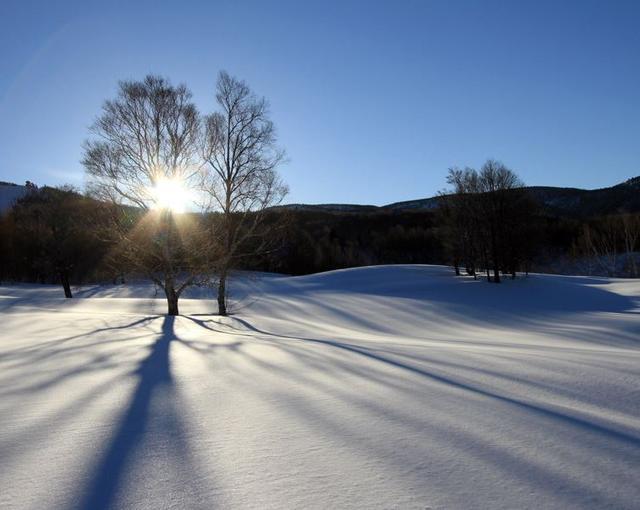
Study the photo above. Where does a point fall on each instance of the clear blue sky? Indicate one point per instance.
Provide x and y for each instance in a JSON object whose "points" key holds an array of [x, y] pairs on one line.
{"points": [[373, 100]]}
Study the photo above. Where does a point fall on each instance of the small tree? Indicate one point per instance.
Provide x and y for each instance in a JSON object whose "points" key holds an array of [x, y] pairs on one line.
{"points": [[240, 178], [631, 232], [144, 154]]}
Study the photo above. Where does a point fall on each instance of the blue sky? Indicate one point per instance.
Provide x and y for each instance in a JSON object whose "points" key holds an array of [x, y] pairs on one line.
{"points": [[373, 100]]}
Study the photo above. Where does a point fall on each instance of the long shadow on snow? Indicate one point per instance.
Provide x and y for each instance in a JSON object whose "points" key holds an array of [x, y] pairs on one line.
{"points": [[547, 412], [154, 396], [45, 346], [513, 465]]}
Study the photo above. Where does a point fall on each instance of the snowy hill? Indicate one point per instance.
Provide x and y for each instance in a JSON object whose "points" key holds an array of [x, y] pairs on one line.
{"points": [[9, 193], [378, 387]]}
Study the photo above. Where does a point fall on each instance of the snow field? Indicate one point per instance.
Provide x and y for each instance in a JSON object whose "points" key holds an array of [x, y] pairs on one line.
{"points": [[380, 387]]}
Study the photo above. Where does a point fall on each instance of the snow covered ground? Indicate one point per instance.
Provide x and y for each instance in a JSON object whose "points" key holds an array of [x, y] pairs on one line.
{"points": [[383, 387]]}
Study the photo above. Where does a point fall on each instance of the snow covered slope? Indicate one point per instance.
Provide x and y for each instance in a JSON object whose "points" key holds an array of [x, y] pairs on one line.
{"points": [[9, 193], [381, 387]]}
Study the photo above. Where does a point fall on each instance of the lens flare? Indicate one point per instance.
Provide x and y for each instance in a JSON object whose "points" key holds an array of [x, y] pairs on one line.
{"points": [[171, 194]]}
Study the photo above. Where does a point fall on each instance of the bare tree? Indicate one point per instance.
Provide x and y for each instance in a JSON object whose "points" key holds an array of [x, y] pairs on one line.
{"points": [[631, 231], [488, 213], [610, 242], [240, 178], [603, 243], [496, 183], [146, 137], [461, 210]]}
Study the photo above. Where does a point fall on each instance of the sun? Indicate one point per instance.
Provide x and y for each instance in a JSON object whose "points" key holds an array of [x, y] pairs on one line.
{"points": [[171, 194]]}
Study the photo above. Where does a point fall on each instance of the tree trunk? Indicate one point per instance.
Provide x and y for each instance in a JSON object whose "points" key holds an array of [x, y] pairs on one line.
{"points": [[172, 299], [222, 294], [494, 254], [64, 278]]}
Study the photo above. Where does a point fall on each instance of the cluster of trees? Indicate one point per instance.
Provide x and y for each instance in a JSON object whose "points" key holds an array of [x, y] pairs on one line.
{"points": [[488, 218], [49, 235], [152, 135]]}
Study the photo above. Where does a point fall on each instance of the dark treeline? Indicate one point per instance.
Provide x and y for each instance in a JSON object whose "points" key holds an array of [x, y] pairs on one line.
{"points": [[52, 235], [314, 241], [57, 235], [533, 238]]}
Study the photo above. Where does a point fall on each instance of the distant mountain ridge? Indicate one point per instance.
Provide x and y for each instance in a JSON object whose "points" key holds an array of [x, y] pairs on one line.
{"points": [[622, 197]]}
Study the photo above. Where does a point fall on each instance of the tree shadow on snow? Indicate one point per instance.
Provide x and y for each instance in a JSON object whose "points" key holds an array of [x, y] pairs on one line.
{"points": [[591, 432], [548, 411], [150, 422]]}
